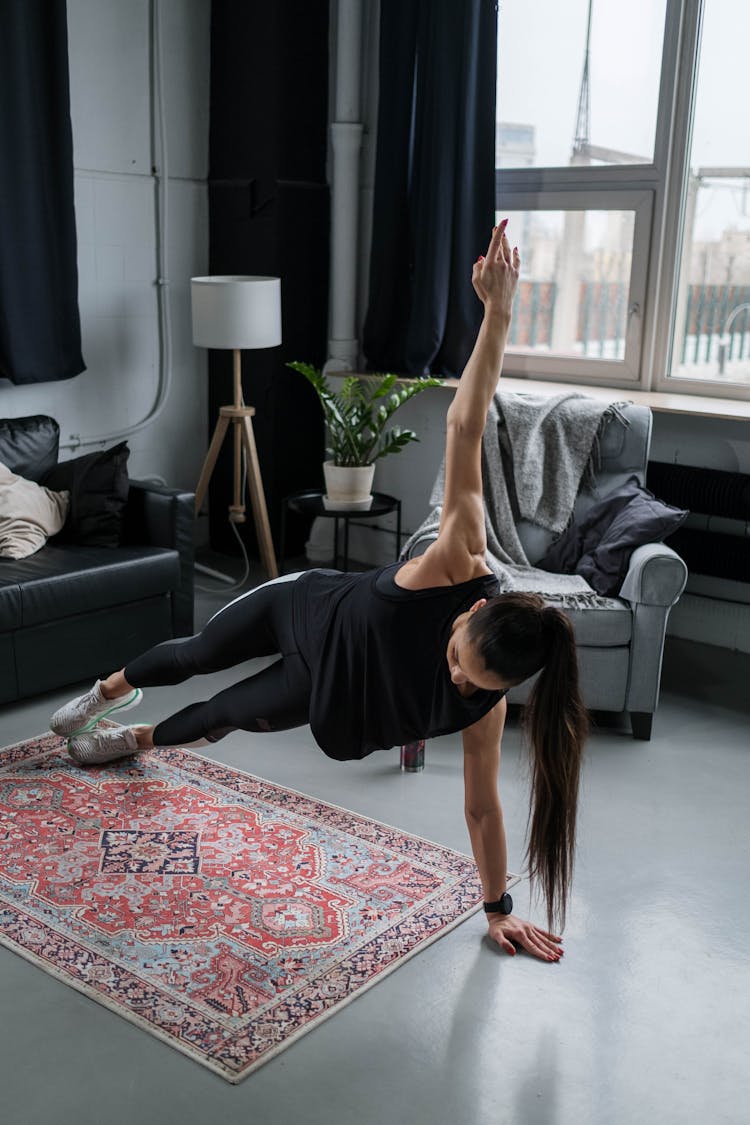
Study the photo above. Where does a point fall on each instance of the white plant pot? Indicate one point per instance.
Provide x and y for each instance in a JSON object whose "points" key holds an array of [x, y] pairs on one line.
{"points": [[348, 487]]}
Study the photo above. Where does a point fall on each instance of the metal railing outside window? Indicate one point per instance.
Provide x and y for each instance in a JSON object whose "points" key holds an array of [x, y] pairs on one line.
{"points": [[718, 317]]}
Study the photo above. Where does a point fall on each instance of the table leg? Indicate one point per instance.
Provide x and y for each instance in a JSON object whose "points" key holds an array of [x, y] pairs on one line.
{"points": [[335, 542], [398, 531], [346, 543]]}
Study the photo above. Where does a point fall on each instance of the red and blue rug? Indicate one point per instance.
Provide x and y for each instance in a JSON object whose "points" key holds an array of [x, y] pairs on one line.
{"points": [[222, 913]]}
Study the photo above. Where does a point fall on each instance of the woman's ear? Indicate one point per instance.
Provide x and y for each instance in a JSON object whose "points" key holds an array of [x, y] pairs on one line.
{"points": [[478, 605]]}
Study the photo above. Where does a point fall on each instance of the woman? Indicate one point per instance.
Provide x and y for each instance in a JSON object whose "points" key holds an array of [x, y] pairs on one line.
{"points": [[393, 655]]}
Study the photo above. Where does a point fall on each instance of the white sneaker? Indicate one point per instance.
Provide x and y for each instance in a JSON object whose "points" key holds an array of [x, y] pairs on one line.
{"points": [[85, 712], [104, 744]]}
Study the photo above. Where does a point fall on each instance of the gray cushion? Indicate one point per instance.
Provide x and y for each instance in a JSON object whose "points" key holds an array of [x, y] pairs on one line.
{"points": [[602, 626]]}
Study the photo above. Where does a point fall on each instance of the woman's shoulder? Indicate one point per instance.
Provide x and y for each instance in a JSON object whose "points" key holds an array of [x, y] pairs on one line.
{"points": [[433, 569]]}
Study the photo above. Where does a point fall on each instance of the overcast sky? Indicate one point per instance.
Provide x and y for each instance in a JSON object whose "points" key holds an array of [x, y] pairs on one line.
{"points": [[540, 62]]}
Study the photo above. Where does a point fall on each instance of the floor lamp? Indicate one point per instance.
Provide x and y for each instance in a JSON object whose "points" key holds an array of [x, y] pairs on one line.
{"points": [[238, 313]]}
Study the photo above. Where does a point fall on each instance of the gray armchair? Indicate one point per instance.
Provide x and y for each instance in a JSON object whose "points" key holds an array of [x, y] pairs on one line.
{"points": [[620, 644]]}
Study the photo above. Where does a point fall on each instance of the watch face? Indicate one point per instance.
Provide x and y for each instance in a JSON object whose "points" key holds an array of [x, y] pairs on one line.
{"points": [[506, 904]]}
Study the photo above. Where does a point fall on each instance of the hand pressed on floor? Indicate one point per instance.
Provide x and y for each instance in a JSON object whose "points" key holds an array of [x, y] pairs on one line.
{"points": [[505, 929]]}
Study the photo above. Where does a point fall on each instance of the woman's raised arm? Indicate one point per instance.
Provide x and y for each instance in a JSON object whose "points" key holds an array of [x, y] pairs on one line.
{"points": [[461, 540]]}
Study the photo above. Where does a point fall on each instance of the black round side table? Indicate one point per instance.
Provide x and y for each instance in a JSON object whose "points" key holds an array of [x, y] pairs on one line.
{"points": [[310, 503]]}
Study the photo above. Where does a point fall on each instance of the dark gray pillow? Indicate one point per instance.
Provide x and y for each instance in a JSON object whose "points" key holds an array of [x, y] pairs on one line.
{"points": [[643, 520], [599, 548], [28, 446], [582, 536]]}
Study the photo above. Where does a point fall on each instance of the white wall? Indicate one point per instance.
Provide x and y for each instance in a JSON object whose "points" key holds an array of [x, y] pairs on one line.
{"points": [[109, 44]]}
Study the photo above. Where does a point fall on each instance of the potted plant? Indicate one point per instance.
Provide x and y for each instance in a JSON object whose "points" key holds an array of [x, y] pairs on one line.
{"points": [[356, 416]]}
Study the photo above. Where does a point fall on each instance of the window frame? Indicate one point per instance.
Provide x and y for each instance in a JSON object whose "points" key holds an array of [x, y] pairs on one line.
{"points": [[584, 369], [657, 237]]}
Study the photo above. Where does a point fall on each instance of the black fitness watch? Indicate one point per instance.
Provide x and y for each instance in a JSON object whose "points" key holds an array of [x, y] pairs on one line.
{"points": [[504, 905]]}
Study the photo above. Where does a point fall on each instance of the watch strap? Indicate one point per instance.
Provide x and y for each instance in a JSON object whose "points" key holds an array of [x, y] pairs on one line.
{"points": [[503, 905]]}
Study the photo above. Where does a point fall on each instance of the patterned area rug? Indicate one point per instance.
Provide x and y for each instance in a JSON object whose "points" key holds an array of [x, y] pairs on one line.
{"points": [[222, 913]]}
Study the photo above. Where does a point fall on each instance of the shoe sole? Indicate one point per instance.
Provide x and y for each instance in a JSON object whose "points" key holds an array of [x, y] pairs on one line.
{"points": [[131, 701]]}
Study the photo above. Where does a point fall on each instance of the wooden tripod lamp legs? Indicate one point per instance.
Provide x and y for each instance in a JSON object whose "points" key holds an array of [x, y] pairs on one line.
{"points": [[244, 438]]}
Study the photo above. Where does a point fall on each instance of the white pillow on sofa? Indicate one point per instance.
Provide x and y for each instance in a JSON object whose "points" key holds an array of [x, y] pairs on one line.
{"points": [[29, 514]]}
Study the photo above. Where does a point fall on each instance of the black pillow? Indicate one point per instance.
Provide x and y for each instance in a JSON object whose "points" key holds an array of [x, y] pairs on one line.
{"points": [[98, 486]]}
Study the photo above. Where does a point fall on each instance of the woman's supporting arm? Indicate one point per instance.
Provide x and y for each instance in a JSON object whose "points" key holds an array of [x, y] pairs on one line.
{"points": [[484, 819], [482, 808]]}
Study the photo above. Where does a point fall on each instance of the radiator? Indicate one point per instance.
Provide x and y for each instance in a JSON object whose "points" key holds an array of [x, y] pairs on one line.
{"points": [[711, 492], [708, 492]]}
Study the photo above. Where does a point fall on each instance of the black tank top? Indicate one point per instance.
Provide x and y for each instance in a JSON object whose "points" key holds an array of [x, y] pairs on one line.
{"points": [[377, 659]]}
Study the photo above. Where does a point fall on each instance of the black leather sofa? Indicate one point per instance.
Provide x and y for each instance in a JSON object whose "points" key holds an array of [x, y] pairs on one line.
{"points": [[73, 611]]}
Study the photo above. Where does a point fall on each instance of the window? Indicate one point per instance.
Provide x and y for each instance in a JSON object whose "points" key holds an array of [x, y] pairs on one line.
{"points": [[623, 166], [582, 279]]}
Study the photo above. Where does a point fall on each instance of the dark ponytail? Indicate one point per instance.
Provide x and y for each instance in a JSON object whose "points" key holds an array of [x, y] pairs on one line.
{"points": [[556, 723], [518, 635]]}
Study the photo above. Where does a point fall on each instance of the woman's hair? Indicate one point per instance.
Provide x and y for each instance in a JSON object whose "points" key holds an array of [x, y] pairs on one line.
{"points": [[517, 635]]}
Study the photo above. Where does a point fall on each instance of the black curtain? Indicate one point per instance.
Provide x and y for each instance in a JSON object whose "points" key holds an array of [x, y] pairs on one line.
{"points": [[40, 332], [269, 210], [434, 200]]}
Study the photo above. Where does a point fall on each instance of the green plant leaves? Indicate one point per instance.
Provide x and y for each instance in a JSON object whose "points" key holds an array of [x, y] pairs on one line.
{"points": [[393, 441], [356, 415]]}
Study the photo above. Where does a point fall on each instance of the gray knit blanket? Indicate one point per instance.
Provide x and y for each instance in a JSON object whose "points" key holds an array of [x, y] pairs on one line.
{"points": [[537, 452]]}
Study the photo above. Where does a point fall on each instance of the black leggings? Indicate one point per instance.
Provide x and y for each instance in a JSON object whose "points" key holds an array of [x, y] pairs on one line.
{"points": [[256, 624]]}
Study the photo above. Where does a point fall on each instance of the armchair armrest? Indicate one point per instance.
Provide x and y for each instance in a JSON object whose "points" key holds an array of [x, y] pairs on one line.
{"points": [[656, 576], [654, 582], [156, 516]]}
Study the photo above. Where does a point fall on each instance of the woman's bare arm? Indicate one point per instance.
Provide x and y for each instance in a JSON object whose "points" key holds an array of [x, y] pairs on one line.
{"points": [[460, 548], [484, 819]]}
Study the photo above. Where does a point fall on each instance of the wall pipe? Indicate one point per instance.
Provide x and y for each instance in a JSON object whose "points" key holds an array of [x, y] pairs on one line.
{"points": [[346, 142], [160, 175]]}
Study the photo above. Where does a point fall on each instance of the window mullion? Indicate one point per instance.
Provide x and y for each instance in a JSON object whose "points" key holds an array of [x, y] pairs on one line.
{"points": [[667, 298]]}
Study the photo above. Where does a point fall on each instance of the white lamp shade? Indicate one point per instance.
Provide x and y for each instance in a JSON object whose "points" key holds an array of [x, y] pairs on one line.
{"points": [[236, 312]]}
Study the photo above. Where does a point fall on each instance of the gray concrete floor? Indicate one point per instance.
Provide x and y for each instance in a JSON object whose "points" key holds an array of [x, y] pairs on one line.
{"points": [[644, 1019]]}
